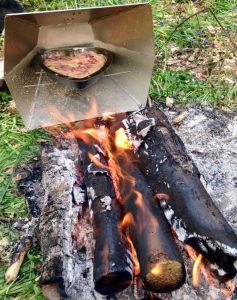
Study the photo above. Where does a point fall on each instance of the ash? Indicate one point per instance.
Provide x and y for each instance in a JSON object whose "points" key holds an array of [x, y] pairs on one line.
{"points": [[210, 137]]}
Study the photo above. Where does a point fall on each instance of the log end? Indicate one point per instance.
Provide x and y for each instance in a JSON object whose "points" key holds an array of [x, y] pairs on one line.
{"points": [[165, 276], [113, 283], [51, 291]]}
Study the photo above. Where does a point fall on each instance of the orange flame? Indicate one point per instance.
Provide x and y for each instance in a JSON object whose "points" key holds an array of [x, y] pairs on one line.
{"points": [[228, 291], [199, 264], [128, 220], [196, 274]]}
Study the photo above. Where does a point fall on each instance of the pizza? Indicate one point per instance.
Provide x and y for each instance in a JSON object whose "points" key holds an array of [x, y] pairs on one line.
{"points": [[76, 65]]}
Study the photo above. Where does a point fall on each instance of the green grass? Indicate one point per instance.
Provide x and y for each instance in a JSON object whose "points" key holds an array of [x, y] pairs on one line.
{"points": [[182, 84], [16, 146]]}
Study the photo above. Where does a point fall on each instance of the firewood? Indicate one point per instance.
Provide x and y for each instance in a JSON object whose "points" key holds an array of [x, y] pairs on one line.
{"points": [[65, 231], [113, 267], [187, 205], [161, 265]]}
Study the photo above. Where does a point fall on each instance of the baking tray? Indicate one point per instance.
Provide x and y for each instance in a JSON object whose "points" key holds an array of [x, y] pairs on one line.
{"points": [[77, 83]]}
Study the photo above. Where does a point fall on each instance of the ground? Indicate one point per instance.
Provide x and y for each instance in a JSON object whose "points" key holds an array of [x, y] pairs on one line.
{"points": [[196, 62]]}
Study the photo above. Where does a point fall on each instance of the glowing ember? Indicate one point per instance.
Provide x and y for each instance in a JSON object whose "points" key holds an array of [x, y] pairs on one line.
{"points": [[157, 270]]}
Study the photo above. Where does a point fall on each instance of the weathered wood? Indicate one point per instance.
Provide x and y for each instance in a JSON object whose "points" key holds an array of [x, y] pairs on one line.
{"points": [[175, 181], [113, 266], [65, 238]]}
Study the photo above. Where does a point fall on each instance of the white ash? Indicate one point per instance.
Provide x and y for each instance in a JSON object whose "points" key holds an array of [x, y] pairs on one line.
{"points": [[144, 131], [180, 229], [91, 195], [135, 119], [106, 202], [78, 195], [99, 149]]}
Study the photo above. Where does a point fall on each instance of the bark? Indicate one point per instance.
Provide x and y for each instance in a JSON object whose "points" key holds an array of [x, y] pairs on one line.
{"points": [[175, 180], [65, 231], [161, 265], [113, 266]]}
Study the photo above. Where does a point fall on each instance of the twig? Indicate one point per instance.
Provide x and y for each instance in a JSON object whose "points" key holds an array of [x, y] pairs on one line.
{"points": [[9, 220], [224, 30], [185, 20], [149, 101]]}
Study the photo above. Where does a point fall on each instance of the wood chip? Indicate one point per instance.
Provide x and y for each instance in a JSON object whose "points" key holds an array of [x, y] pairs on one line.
{"points": [[180, 118]]}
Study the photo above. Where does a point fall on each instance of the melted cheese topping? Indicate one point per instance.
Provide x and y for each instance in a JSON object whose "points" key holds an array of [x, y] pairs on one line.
{"points": [[78, 65]]}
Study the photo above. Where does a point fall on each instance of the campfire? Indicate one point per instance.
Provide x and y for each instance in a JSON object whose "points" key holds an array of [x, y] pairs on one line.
{"points": [[114, 202]]}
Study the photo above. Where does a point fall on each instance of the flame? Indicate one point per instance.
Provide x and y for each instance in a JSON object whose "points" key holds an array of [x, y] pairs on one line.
{"points": [[89, 134], [195, 273], [229, 290], [107, 116], [201, 266], [129, 220], [121, 140]]}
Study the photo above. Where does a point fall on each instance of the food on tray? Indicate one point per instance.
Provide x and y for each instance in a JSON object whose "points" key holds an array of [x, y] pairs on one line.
{"points": [[76, 64]]}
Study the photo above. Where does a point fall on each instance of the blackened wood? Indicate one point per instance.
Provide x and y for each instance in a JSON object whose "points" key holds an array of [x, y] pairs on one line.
{"points": [[161, 264], [170, 171], [113, 267]]}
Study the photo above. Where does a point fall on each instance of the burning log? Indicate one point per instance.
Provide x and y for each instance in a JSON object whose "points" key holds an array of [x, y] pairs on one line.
{"points": [[113, 267], [175, 180], [161, 265]]}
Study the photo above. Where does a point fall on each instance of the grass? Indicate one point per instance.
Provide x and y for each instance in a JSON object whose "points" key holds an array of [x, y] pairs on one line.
{"points": [[195, 63]]}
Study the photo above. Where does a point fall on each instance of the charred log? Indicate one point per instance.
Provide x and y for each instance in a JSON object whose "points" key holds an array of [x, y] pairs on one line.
{"points": [[113, 269], [65, 231], [161, 265], [175, 180]]}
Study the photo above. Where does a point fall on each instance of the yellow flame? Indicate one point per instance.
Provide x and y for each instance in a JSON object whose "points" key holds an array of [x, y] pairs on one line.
{"points": [[196, 274], [121, 140]]}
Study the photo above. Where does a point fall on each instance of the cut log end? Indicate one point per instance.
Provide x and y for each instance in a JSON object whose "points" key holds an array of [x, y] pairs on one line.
{"points": [[51, 291], [166, 276], [113, 283]]}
